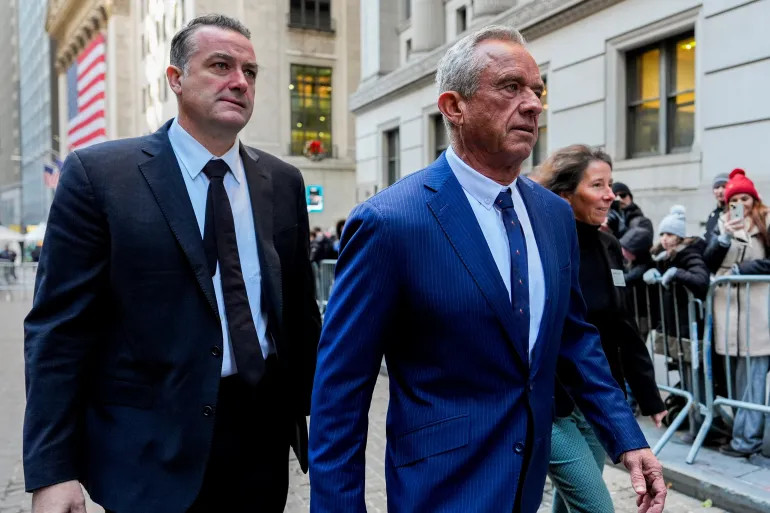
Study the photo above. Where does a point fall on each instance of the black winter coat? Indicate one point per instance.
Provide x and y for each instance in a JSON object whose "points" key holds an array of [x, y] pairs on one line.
{"points": [[691, 273], [623, 346], [711, 223], [633, 217]]}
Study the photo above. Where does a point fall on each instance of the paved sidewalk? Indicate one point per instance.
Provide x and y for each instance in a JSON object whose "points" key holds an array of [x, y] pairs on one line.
{"points": [[732, 483]]}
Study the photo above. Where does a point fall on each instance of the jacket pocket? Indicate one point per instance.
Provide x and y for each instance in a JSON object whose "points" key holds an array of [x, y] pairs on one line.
{"points": [[431, 439], [125, 393]]}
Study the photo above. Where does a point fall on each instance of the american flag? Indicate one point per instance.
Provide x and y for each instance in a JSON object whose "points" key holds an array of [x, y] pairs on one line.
{"points": [[51, 173], [85, 96]]}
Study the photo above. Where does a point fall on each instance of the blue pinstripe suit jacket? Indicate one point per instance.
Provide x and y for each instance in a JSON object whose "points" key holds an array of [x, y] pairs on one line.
{"points": [[416, 282]]}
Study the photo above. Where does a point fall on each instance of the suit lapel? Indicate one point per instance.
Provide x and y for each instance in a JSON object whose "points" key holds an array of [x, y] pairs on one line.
{"points": [[537, 213], [450, 207], [164, 177], [260, 182]]}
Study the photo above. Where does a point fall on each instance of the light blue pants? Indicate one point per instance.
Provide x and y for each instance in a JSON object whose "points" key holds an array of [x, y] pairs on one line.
{"points": [[748, 427], [575, 469]]}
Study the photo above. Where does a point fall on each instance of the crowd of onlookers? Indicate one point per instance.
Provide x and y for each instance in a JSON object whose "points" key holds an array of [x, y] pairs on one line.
{"points": [[735, 242], [325, 245]]}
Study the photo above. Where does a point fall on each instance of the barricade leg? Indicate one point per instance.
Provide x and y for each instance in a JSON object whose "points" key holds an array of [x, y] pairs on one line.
{"points": [[679, 418]]}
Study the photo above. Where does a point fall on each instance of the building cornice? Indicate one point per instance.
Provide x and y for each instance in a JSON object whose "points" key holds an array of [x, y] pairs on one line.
{"points": [[72, 24], [533, 20]]}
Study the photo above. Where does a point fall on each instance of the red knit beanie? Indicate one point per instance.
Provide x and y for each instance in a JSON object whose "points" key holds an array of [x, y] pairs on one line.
{"points": [[739, 184]]}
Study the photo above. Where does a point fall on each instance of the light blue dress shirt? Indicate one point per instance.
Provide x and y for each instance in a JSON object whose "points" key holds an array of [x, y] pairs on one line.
{"points": [[481, 193], [192, 158]]}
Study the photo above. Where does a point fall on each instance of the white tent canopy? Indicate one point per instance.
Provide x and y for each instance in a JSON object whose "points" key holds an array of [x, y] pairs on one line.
{"points": [[35, 235], [8, 235]]}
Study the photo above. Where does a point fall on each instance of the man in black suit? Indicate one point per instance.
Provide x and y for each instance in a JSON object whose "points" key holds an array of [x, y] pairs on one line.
{"points": [[171, 346]]}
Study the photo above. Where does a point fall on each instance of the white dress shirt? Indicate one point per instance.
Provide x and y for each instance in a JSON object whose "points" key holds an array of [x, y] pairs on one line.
{"points": [[481, 193], [192, 158]]}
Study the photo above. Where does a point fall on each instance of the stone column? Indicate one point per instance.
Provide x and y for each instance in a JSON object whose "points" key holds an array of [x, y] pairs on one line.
{"points": [[427, 25], [485, 10], [379, 44]]}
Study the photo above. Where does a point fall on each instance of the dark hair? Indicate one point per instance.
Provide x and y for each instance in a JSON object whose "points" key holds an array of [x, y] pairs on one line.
{"points": [[182, 46], [563, 170]]}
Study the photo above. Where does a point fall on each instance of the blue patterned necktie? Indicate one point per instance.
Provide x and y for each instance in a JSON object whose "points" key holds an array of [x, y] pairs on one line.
{"points": [[519, 268]]}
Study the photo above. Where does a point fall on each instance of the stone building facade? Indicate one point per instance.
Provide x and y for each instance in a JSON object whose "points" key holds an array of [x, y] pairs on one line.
{"points": [[673, 90], [309, 66], [10, 152]]}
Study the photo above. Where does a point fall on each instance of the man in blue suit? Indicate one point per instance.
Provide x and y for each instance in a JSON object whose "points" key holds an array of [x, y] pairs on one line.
{"points": [[465, 277]]}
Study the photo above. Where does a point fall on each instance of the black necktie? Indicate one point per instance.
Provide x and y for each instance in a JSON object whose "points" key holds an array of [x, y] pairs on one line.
{"points": [[519, 266], [221, 244]]}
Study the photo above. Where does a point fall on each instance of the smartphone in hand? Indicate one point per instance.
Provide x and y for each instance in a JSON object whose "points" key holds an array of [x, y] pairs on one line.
{"points": [[736, 210]]}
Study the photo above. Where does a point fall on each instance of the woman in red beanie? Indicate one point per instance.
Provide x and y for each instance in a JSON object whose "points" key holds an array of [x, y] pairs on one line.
{"points": [[741, 245]]}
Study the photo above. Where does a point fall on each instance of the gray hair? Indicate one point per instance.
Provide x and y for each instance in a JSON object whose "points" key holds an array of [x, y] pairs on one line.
{"points": [[460, 68], [182, 46]]}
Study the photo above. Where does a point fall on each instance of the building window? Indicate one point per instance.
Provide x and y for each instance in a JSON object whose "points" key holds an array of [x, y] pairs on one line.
{"points": [[461, 23], [311, 107], [407, 9], [392, 153], [540, 151], [408, 51], [440, 136], [661, 97], [311, 14]]}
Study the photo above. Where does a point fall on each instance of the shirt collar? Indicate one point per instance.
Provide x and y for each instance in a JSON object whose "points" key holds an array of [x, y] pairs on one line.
{"points": [[194, 156], [482, 188]]}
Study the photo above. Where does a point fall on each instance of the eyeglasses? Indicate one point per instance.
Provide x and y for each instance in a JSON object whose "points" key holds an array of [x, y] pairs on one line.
{"points": [[622, 195]]}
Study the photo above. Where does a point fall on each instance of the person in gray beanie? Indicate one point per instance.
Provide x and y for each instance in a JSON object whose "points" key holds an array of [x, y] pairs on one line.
{"points": [[718, 187], [677, 257]]}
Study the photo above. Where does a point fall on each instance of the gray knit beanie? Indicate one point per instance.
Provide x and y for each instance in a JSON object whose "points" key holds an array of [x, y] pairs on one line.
{"points": [[674, 223]]}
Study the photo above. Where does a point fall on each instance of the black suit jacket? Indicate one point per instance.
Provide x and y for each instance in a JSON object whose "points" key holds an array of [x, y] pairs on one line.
{"points": [[123, 343]]}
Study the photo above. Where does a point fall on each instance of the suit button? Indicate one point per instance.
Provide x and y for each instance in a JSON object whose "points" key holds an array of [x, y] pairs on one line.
{"points": [[208, 411], [518, 448], [216, 351]]}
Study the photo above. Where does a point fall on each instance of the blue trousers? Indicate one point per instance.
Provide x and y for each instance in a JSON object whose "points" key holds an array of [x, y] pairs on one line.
{"points": [[748, 427], [575, 469]]}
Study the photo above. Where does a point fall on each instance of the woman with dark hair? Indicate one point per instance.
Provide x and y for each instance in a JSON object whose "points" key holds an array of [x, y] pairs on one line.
{"points": [[583, 176], [740, 244]]}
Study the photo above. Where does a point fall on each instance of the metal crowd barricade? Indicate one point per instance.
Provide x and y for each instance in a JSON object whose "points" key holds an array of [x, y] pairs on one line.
{"points": [[17, 281], [713, 404], [660, 342], [323, 273]]}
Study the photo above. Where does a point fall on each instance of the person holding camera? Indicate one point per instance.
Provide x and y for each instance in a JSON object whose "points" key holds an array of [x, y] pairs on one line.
{"points": [[740, 245]]}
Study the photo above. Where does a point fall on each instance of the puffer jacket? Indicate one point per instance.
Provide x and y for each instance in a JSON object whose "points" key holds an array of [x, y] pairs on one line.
{"points": [[691, 274], [747, 251]]}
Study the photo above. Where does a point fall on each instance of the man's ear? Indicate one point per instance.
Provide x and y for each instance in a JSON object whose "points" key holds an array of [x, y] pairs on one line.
{"points": [[452, 106], [174, 77]]}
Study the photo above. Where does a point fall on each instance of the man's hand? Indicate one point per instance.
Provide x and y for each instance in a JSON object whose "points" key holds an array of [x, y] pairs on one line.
{"points": [[647, 480], [64, 497]]}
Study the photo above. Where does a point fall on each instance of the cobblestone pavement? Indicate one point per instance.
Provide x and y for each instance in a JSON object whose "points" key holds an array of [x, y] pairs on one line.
{"points": [[14, 500]]}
